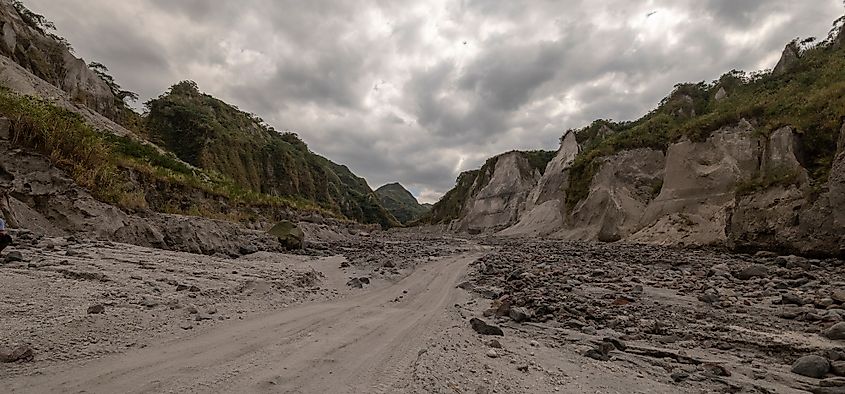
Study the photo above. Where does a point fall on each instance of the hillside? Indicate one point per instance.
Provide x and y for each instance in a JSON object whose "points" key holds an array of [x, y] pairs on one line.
{"points": [[461, 205], [220, 138], [400, 202], [749, 161], [231, 166]]}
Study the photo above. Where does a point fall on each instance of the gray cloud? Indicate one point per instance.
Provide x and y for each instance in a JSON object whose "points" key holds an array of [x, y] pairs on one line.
{"points": [[417, 91]]}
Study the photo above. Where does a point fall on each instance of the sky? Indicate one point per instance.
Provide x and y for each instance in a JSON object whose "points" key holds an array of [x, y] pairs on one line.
{"points": [[418, 91]]}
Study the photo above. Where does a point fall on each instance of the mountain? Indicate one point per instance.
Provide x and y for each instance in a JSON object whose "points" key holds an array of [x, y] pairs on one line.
{"points": [[217, 137], [749, 161], [476, 204], [191, 154], [400, 202]]}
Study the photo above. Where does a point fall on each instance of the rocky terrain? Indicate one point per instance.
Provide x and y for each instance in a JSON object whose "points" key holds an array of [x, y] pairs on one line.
{"points": [[741, 163], [707, 320], [513, 316], [196, 249]]}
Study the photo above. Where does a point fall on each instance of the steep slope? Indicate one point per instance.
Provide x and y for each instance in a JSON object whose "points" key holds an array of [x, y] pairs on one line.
{"points": [[25, 38], [492, 197], [220, 138], [60, 108], [400, 202], [747, 161]]}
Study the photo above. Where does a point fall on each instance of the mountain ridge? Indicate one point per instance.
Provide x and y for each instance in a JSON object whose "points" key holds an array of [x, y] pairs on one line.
{"points": [[400, 202], [749, 161]]}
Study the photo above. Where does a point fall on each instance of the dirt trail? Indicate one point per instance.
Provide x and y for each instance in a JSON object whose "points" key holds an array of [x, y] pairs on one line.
{"points": [[362, 343]]}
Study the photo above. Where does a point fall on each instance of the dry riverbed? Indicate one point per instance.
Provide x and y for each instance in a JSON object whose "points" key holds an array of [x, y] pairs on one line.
{"points": [[391, 313]]}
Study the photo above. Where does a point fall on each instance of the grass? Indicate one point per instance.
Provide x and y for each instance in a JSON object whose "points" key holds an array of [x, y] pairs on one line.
{"points": [[773, 177], [810, 98], [104, 163]]}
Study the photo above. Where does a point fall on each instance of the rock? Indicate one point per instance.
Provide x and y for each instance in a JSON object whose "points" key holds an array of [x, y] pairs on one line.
{"points": [[837, 368], [494, 343], [492, 353], [248, 249], [96, 309], [289, 234], [714, 369], [619, 345], [356, 283], [366, 281], [828, 390], [721, 94], [389, 264], [149, 303], [838, 296], [518, 315], [481, 327], [836, 332], [709, 298], [811, 366], [679, 376], [792, 299], [186, 326], [832, 382], [202, 316], [344, 264], [754, 271], [20, 353], [14, 256]]}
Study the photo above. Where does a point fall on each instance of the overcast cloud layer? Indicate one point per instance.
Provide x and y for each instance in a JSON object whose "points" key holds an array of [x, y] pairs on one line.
{"points": [[418, 91]]}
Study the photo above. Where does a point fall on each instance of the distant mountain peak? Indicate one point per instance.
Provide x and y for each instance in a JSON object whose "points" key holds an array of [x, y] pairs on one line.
{"points": [[400, 202]]}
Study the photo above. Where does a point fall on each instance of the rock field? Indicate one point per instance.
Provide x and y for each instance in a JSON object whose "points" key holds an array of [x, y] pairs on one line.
{"points": [[536, 316]]}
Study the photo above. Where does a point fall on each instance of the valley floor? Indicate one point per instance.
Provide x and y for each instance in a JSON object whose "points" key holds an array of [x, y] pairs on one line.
{"points": [[390, 313]]}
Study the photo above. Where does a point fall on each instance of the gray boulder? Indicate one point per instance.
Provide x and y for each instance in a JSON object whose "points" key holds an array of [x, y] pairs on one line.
{"points": [[811, 366]]}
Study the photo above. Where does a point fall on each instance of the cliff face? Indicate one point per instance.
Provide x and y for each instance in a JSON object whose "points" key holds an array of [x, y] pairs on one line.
{"points": [[544, 210], [28, 44], [747, 162], [493, 197]]}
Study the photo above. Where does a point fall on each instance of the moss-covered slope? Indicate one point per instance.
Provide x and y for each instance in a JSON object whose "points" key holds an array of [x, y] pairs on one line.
{"points": [[220, 138], [400, 202]]}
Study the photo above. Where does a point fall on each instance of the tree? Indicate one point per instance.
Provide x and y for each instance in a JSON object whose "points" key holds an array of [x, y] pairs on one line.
{"points": [[36, 21], [103, 72], [41, 24]]}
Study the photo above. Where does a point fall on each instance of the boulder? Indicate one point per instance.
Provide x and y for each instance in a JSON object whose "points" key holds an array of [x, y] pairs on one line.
{"points": [[837, 332], [788, 59], [96, 309], [289, 234], [481, 327], [20, 353], [519, 315], [13, 257], [811, 366], [754, 271]]}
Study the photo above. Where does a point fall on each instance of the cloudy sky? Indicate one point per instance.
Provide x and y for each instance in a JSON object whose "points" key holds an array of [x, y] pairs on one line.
{"points": [[417, 91]]}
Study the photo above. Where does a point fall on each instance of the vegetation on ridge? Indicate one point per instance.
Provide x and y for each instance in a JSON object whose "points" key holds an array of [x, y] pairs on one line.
{"points": [[104, 163], [220, 138], [810, 97], [400, 202]]}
